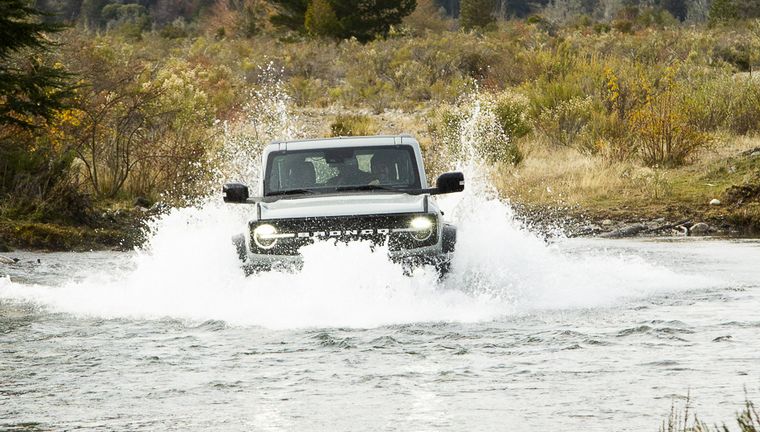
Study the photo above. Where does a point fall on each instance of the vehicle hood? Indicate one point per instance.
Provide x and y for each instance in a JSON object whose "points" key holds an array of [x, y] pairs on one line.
{"points": [[343, 205]]}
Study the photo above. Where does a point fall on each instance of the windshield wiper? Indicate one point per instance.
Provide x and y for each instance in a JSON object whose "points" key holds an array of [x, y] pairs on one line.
{"points": [[291, 192], [367, 187]]}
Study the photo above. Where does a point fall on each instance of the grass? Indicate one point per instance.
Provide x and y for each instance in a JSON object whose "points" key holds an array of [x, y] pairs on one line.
{"points": [[53, 237], [683, 420], [552, 176]]}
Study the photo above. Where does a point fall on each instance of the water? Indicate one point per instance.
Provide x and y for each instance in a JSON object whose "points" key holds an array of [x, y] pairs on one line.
{"points": [[593, 334], [524, 334]]}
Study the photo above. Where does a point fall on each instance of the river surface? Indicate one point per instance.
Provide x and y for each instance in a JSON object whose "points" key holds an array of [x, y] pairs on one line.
{"points": [[585, 334]]}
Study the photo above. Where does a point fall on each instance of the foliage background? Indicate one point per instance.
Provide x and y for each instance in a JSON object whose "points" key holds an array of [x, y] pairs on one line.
{"points": [[658, 91]]}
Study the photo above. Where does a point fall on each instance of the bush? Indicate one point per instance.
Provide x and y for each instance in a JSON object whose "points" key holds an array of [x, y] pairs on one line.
{"points": [[606, 135], [664, 133], [352, 125], [545, 95], [473, 127], [306, 91], [744, 107], [512, 113], [566, 122]]}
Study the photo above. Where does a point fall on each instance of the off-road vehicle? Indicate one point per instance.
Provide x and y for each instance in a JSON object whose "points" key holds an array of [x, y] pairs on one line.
{"points": [[345, 189]]}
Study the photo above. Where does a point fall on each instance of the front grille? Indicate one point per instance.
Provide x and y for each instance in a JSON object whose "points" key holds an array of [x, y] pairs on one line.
{"points": [[377, 229]]}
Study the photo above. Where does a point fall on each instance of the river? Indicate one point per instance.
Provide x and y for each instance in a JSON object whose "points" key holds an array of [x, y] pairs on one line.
{"points": [[585, 334]]}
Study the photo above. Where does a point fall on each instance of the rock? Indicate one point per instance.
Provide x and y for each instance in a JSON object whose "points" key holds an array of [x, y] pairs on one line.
{"points": [[607, 222], [700, 228], [4, 247], [588, 229], [6, 260], [141, 201], [627, 231], [714, 202], [159, 208], [739, 194]]}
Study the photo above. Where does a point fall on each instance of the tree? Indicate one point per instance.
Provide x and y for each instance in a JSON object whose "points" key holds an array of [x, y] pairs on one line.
{"points": [[723, 10], [321, 20], [34, 170], [90, 13], [476, 14], [677, 8], [363, 19], [291, 14], [30, 89]]}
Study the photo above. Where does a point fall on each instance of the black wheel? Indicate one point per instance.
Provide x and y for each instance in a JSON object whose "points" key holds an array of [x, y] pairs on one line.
{"points": [[449, 238], [448, 244]]}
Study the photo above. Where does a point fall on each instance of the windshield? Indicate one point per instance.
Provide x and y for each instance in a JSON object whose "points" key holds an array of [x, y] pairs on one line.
{"points": [[344, 168]]}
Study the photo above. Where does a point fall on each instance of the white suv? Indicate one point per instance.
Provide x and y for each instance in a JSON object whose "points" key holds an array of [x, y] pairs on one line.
{"points": [[345, 189]]}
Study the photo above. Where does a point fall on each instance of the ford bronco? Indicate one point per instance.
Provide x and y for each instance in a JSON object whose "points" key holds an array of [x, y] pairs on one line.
{"points": [[345, 189]]}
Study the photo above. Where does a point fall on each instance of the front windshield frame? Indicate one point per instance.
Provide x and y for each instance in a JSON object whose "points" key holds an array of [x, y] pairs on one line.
{"points": [[414, 184]]}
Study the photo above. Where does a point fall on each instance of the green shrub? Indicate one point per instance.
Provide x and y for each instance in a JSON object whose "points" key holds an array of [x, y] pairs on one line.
{"points": [[607, 135], [564, 123], [473, 126], [724, 102], [744, 106], [511, 111], [545, 95], [352, 125], [305, 91]]}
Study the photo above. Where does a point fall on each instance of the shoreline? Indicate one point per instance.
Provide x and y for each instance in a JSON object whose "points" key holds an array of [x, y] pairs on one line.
{"points": [[123, 230], [574, 221]]}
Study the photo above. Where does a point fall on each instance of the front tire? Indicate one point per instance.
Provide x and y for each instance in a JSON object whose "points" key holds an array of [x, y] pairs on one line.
{"points": [[448, 244]]}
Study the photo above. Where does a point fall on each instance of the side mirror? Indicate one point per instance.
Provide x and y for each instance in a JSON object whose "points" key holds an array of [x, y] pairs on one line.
{"points": [[235, 193], [450, 182]]}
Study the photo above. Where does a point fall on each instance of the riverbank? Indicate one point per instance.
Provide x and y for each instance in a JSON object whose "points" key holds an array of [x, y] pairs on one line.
{"points": [[584, 195], [116, 230], [125, 229]]}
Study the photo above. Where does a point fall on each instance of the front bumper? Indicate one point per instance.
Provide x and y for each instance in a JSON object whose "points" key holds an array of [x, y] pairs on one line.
{"points": [[409, 258]]}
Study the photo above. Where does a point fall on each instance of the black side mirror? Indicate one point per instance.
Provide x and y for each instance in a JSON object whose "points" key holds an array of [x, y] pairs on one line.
{"points": [[450, 182], [235, 192]]}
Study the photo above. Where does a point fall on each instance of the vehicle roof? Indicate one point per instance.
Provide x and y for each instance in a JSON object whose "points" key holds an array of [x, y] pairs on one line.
{"points": [[375, 140]]}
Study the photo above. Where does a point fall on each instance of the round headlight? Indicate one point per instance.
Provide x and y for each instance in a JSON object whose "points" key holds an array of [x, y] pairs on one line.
{"points": [[264, 236], [422, 228]]}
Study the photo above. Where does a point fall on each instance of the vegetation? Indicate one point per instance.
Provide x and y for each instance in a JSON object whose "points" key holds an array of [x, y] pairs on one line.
{"points": [[476, 14], [352, 125], [603, 105], [747, 420]]}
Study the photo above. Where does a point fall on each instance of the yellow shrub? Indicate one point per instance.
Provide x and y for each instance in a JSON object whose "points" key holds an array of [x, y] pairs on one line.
{"points": [[353, 125]]}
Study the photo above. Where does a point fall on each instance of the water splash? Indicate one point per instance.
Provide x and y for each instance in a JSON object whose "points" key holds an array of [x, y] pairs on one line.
{"points": [[267, 116], [189, 269]]}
